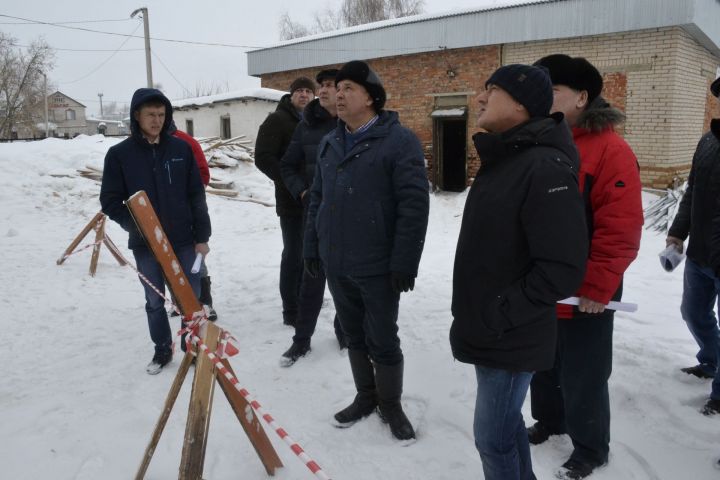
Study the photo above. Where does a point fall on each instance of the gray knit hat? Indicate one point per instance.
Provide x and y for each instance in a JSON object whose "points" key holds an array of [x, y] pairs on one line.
{"points": [[529, 85]]}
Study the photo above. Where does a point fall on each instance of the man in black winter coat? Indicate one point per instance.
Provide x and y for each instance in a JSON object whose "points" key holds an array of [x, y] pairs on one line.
{"points": [[272, 141], [699, 217], [366, 227], [297, 167], [522, 247], [164, 166]]}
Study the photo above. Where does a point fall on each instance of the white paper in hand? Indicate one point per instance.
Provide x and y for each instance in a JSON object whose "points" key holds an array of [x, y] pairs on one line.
{"points": [[198, 262]]}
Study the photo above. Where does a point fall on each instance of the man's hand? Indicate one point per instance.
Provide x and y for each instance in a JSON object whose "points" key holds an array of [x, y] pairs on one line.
{"points": [[402, 282], [674, 241], [586, 305], [313, 266], [202, 248]]}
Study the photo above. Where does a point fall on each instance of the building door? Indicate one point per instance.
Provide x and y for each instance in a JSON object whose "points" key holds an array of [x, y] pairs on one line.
{"points": [[451, 153], [189, 127], [225, 127]]}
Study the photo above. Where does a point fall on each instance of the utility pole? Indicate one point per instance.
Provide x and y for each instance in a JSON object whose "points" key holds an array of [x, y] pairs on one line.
{"points": [[146, 23], [47, 126], [101, 110]]}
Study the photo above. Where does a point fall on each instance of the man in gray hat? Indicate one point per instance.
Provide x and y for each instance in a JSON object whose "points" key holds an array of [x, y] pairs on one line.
{"points": [[366, 228]]}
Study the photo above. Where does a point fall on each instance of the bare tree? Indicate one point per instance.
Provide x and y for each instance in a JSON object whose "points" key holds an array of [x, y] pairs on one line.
{"points": [[350, 13], [22, 86], [203, 89]]}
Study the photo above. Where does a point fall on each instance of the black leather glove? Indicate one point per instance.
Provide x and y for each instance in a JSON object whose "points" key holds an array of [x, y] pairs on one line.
{"points": [[402, 282], [313, 266]]}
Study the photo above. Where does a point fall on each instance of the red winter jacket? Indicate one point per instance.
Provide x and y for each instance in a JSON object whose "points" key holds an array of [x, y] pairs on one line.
{"points": [[197, 153], [610, 186]]}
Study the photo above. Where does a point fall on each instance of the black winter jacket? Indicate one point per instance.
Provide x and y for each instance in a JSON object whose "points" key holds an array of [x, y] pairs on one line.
{"points": [[297, 166], [271, 143], [168, 173], [698, 214], [522, 247], [369, 208]]}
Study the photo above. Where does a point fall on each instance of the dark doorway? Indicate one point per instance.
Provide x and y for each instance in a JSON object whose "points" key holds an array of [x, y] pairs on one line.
{"points": [[452, 154], [225, 127]]}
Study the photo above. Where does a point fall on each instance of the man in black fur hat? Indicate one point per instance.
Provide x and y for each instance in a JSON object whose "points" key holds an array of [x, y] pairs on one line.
{"points": [[573, 396], [366, 226]]}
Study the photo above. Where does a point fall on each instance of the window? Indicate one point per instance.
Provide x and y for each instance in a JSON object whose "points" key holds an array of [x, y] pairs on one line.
{"points": [[69, 114], [189, 127], [225, 127]]}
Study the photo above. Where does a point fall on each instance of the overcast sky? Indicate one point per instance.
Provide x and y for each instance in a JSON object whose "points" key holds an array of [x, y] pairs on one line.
{"points": [[177, 67]]}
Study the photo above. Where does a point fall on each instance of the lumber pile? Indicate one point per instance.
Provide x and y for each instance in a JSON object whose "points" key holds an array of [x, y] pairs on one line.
{"points": [[227, 153], [660, 213]]}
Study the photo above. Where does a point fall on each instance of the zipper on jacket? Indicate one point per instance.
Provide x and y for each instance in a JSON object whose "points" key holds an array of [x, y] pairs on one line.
{"points": [[167, 167]]}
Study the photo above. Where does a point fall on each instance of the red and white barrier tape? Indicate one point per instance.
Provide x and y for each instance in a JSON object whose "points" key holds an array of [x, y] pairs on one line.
{"points": [[227, 348], [76, 251]]}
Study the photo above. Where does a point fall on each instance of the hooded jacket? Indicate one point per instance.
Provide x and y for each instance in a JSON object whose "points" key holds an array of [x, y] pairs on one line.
{"points": [[168, 173], [272, 141], [611, 189], [522, 247], [699, 211], [368, 209], [297, 166]]}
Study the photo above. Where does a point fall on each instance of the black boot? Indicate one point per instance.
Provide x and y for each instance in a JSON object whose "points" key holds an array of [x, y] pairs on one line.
{"points": [[206, 297], [389, 380], [366, 399]]}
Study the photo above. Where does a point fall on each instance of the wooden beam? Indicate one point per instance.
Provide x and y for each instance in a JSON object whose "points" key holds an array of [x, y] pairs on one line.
{"points": [[80, 236]]}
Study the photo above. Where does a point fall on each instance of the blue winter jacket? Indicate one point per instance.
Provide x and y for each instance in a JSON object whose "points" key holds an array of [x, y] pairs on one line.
{"points": [[166, 171], [368, 209]]}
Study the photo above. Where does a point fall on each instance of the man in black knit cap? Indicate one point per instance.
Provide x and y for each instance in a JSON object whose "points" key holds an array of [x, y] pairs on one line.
{"points": [[522, 247]]}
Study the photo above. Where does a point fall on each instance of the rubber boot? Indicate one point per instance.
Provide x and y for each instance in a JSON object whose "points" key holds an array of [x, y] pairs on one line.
{"points": [[366, 399], [206, 297], [389, 381]]}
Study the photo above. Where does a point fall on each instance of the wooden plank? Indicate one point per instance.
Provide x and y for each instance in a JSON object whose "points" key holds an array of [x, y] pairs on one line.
{"points": [[99, 234], [198, 421], [250, 422], [80, 236], [114, 250], [165, 414]]}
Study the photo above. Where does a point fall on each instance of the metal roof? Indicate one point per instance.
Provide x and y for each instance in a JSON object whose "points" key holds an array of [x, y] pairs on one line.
{"points": [[529, 20]]}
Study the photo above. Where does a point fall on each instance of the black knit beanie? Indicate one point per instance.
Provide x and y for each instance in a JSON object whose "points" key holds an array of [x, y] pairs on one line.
{"points": [[576, 73], [328, 74], [359, 72], [527, 84], [302, 82]]}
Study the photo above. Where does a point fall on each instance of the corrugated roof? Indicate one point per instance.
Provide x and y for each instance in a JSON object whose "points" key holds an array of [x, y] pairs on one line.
{"points": [[509, 22]]}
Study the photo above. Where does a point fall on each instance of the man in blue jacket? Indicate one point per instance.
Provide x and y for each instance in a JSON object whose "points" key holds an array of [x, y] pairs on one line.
{"points": [[366, 226], [164, 167]]}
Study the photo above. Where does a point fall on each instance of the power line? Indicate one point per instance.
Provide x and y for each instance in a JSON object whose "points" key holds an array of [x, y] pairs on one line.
{"points": [[170, 72], [30, 22], [85, 49], [104, 61]]}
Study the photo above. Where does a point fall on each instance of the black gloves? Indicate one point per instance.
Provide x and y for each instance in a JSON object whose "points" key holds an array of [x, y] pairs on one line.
{"points": [[313, 266], [402, 282]]}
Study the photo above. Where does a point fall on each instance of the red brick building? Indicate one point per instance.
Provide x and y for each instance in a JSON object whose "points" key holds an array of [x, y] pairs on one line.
{"points": [[658, 58]]}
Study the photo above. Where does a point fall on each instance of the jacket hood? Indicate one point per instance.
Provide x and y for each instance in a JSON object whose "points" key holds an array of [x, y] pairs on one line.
{"points": [[550, 131], [286, 105], [315, 114], [599, 115], [144, 95]]}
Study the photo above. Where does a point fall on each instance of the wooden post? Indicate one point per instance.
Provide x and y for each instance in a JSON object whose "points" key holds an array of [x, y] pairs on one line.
{"points": [[99, 234], [80, 236]]}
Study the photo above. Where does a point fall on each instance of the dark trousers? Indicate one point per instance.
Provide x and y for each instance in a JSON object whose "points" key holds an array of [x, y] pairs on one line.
{"points": [[368, 312], [291, 265], [573, 397], [154, 304], [312, 291]]}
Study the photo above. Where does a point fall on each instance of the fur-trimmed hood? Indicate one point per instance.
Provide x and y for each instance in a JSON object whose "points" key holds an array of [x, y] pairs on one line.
{"points": [[600, 115]]}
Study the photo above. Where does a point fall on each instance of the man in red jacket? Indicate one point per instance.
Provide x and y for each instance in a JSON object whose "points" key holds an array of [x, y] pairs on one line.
{"points": [[573, 397], [205, 296]]}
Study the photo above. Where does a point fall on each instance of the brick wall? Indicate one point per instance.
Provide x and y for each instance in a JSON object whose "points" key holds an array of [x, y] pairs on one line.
{"points": [[659, 77]]}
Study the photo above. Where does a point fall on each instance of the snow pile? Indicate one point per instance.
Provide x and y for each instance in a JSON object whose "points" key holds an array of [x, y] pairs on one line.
{"points": [[77, 404]]}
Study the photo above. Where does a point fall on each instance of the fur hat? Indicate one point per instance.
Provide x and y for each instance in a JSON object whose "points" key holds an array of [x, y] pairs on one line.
{"points": [[715, 87], [527, 84], [576, 73], [328, 74], [302, 82], [360, 73]]}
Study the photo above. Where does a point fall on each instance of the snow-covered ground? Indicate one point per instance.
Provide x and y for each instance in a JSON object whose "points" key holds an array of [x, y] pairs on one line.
{"points": [[76, 403]]}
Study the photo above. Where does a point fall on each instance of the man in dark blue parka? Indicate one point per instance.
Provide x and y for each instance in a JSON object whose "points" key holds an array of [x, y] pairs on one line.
{"points": [[366, 226], [164, 167]]}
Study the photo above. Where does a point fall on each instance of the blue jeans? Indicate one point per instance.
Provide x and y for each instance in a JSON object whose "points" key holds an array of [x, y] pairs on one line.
{"points": [[154, 304], [500, 434], [700, 296]]}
